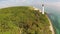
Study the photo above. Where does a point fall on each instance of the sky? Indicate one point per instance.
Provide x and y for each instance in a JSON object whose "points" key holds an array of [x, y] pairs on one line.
{"points": [[5, 3]]}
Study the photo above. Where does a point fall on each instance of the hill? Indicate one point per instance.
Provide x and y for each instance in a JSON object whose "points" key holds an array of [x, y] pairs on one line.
{"points": [[23, 20]]}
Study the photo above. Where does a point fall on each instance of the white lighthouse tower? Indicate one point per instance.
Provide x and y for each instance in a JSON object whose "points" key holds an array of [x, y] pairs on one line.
{"points": [[42, 8]]}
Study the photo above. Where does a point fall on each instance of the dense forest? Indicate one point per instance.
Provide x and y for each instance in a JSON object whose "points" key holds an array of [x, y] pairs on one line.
{"points": [[23, 20]]}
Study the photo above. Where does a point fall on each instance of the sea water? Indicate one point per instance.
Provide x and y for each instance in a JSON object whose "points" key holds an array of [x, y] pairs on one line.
{"points": [[54, 15]]}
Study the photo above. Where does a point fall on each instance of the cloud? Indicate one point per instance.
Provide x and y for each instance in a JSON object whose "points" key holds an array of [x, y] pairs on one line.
{"points": [[6, 3], [55, 4], [12, 0]]}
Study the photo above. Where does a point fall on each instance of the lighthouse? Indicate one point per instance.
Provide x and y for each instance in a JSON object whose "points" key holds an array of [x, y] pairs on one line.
{"points": [[42, 8]]}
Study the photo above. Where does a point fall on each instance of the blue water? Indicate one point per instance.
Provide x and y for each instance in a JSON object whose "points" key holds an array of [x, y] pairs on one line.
{"points": [[54, 15]]}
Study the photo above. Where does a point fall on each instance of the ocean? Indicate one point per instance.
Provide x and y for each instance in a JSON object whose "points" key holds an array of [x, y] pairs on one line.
{"points": [[54, 15]]}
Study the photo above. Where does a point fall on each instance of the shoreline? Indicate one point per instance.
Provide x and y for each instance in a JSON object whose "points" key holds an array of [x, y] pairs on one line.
{"points": [[51, 26]]}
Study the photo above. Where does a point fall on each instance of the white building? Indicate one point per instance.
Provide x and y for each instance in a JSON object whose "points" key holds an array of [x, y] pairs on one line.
{"points": [[35, 8], [42, 8]]}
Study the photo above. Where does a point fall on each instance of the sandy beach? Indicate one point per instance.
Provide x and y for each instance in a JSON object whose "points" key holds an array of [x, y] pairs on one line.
{"points": [[51, 26]]}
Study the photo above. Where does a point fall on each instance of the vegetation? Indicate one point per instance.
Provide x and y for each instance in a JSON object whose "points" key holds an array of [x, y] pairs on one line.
{"points": [[23, 20]]}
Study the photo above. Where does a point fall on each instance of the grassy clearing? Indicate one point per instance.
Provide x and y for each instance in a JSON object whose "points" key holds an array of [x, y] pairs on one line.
{"points": [[23, 20]]}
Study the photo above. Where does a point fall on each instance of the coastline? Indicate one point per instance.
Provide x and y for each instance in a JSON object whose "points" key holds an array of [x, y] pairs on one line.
{"points": [[51, 26]]}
